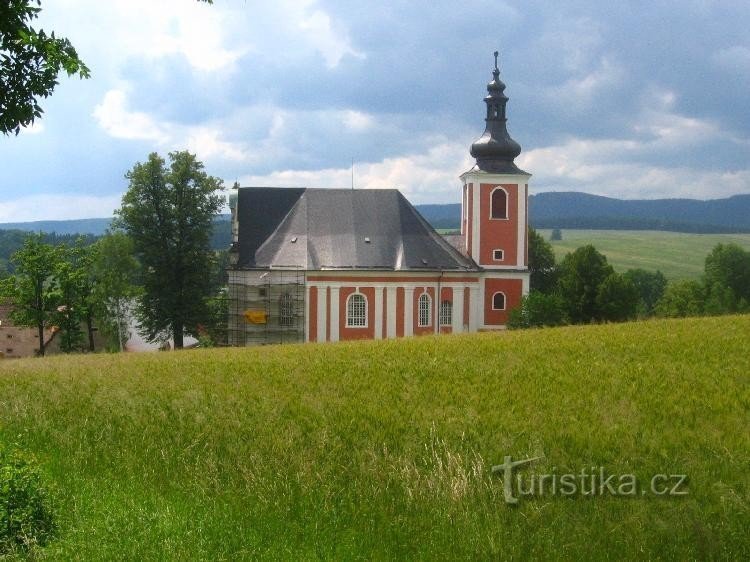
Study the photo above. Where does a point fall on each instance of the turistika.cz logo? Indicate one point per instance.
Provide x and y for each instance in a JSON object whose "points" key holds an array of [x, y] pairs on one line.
{"points": [[590, 481]]}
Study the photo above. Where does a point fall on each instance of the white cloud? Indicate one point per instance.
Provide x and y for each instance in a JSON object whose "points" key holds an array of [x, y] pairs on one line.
{"points": [[332, 44], [150, 29], [118, 121], [57, 206], [357, 120], [206, 143], [431, 177]]}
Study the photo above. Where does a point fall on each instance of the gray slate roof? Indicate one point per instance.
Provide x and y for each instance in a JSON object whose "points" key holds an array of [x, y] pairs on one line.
{"points": [[329, 229]]}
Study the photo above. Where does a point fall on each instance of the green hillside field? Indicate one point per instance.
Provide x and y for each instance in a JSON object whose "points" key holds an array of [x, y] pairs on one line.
{"points": [[677, 255], [384, 450]]}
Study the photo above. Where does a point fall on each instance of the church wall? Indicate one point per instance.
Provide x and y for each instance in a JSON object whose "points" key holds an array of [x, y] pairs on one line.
{"points": [[513, 289], [498, 233]]}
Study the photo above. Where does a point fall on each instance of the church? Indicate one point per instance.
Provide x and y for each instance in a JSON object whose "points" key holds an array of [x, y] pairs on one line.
{"points": [[324, 265]]}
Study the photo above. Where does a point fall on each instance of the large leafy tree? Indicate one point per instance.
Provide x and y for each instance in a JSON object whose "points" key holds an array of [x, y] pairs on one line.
{"points": [[650, 286], [728, 266], [581, 274], [168, 212], [33, 290], [30, 63], [76, 283], [541, 263], [115, 271]]}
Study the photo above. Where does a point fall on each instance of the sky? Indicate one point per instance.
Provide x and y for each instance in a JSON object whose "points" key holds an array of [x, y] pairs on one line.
{"points": [[635, 100]]}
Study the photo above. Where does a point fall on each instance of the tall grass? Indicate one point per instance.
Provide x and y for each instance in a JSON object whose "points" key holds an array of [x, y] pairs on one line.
{"points": [[382, 450]]}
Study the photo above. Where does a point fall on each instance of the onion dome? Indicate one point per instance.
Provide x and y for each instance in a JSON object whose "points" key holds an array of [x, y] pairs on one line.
{"points": [[495, 150]]}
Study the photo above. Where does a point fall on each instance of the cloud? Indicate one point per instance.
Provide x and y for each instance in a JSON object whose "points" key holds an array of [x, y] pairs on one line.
{"points": [[430, 177], [332, 44], [118, 121]]}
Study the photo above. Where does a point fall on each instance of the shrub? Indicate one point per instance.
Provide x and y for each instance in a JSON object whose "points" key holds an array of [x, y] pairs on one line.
{"points": [[537, 310], [683, 298], [26, 512]]}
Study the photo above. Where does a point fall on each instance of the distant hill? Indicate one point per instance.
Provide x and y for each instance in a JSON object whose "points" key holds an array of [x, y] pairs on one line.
{"points": [[97, 227], [546, 210], [585, 211]]}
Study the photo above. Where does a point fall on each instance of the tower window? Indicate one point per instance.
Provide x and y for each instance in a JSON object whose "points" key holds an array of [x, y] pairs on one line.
{"points": [[499, 204], [446, 313], [498, 255], [356, 311], [498, 301], [425, 310]]}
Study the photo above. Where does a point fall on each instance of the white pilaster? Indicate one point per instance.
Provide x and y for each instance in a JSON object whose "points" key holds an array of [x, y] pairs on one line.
{"points": [[458, 309], [322, 313], [334, 314], [307, 313], [391, 304], [475, 311], [476, 220], [521, 223], [378, 312], [408, 311]]}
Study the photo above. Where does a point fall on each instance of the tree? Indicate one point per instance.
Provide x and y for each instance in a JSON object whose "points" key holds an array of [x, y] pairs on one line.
{"points": [[115, 270], [30, 63], [650, 286], [541, 263], [76, 284], [168, 213], [728, 266], [683, 298], [538, 309], [556, 234], [581, 274], [32, 291], [616, 298]]}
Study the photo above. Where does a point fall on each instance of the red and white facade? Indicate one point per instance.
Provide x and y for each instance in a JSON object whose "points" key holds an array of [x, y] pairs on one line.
{"points": [[351, 304]]}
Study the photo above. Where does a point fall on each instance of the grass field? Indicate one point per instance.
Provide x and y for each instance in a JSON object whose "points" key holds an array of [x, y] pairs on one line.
{"points": [[383, 450], [677, 255]]}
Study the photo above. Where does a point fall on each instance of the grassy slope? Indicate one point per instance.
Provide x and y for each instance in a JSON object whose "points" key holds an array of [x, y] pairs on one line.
{"points": [[677, 255], [383, 449]]}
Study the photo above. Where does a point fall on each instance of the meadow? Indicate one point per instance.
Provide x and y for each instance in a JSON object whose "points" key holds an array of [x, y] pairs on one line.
{"points": [[383, 450], [677, 255]]}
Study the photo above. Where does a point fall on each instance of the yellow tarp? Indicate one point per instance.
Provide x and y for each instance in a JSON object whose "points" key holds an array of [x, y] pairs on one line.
{"points": [[255, 316]]}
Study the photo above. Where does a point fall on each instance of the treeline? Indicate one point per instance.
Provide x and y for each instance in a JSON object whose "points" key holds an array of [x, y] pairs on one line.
{"points": [[632, 223], [584, 288], [12, 240]]}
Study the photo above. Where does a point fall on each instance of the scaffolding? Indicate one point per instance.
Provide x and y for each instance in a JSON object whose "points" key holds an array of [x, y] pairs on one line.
{"points": [[266, 306]]}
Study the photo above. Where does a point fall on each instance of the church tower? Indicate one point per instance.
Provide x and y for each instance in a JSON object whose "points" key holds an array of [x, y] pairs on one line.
{"points": [[494, 210]]}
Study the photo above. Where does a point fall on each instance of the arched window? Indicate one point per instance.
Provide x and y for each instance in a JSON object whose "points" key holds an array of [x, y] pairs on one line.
{"points": [[425, 310], [356, 311], [446, 313], [498, 301], [286, 309], [499, 204]]}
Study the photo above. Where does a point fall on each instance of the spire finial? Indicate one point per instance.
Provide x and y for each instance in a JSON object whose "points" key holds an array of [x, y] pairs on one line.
{"points": [[496, 54]]}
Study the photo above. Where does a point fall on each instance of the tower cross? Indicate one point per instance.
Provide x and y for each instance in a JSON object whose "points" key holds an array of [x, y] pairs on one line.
{"points": [[496, 54]]}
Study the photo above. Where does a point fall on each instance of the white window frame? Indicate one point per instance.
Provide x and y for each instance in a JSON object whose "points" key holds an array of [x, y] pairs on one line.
{"points": [[494, 254], [446, 313], [424, 297], [349, 312], [505, 300], [507, 204]]}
